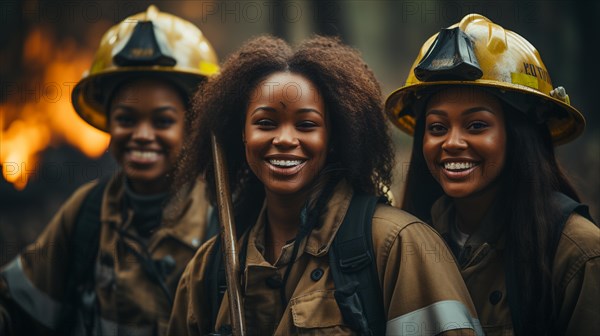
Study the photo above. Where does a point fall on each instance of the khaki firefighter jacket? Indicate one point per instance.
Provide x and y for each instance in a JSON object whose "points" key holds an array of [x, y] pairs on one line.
{"points": [[423, 292], [575, 272], [128, 300]]}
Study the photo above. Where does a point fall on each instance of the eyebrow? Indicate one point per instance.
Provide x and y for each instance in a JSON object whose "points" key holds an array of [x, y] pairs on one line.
{"points": [[273, 110], [156, 110], [263, 108], [465, 112], [308, 110]]}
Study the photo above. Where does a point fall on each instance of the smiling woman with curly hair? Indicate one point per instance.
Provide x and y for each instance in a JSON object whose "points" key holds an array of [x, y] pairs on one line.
{"points": [[360, 141], [304, 134]]}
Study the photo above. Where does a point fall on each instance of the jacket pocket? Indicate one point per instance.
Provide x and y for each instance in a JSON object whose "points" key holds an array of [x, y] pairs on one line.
{"points": [[318, 313]]}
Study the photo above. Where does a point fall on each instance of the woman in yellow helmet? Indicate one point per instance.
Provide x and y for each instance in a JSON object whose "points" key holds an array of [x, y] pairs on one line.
{"points": [[306, 140], [110, 260], [483, 172]]}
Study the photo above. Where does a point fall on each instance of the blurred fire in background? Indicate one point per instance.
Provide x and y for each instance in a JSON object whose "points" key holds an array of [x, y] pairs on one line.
{"points": [[47, 151], [38, 112]]}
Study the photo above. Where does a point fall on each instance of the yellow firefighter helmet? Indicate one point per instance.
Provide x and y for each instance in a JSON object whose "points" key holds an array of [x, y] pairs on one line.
{"points": [[147, 43], [478, 52]]}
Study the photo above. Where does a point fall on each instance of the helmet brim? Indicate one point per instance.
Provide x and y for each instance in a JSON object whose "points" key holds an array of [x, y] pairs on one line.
{"points": [[90, 97], [564, 122]]}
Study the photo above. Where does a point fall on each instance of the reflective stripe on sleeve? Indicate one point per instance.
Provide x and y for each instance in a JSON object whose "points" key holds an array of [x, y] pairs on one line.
{"points": [[35, 302], [434, 319]]}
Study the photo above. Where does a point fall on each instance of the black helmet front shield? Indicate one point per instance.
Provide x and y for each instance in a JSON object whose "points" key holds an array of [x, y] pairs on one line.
{"points": [[450, 57]]}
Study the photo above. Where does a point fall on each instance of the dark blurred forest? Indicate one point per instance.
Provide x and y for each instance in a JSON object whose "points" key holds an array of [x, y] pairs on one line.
{"points": [[46, 152]]}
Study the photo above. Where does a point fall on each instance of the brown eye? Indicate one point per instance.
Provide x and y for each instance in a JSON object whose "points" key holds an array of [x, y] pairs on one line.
{"points": [[306, 125], [477, 126], [124, 120], [265, 123], [163, 122], [436, 129]]}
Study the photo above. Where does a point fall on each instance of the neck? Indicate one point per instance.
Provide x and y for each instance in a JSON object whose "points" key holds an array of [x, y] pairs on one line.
{"points": [[471, 210], [150, 188], [283, 214]]}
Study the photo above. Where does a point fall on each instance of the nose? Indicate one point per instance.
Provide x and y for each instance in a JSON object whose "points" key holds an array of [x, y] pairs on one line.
{"points": [[454, 141], [144, 132], [286, 137]]}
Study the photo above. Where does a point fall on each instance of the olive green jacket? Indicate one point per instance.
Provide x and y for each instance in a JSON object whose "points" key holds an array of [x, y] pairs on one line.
{"points": [[575, 272], [128, 300], [423, 292]]}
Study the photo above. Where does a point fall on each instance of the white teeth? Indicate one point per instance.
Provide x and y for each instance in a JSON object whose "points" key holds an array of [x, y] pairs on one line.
{"points": [[285, 163], [137, 154], [458, 165]]}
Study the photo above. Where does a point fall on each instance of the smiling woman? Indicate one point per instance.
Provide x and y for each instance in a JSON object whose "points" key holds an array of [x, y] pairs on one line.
{"points": [[306, 138], [286, 136], [484, 174], [464, 143], [146, 123], [117, 247]]}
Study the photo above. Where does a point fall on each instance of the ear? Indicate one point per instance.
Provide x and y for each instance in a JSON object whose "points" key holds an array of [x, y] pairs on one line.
{"points": [[244, 137]]}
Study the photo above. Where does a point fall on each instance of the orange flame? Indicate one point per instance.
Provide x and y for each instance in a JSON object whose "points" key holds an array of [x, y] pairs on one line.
{"points": [[44, 114]]}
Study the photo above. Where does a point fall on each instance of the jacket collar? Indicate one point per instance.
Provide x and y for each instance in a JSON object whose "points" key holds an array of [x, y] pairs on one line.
{"points": [[319, 240], [184, 217], [443, 216]]}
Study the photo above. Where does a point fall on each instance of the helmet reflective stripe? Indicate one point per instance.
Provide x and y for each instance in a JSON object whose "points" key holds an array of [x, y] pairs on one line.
{"points": [[434, 319], [32, 300], [509, 65]]}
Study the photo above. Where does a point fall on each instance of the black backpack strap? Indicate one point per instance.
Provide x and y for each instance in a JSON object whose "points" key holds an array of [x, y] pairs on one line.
{"points": [[352, 263], [212, 227], [566, 206], [216, 282], [83, 248]]}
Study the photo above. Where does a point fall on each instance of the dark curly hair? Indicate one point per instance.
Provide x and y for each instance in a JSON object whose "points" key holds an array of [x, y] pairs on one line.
{"points": [[363, 152]]}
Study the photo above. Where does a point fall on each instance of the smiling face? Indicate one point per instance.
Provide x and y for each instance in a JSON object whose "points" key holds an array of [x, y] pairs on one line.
{"points": [[286, 133], [146, 124], [464, 143]]}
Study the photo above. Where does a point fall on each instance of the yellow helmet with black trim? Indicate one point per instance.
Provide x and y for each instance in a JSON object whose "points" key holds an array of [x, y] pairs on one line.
{"points": [[478, 52], [148, 43]]}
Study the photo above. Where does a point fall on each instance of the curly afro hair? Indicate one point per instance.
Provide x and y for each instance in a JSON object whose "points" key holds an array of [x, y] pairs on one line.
{"points": [[363, 152]]}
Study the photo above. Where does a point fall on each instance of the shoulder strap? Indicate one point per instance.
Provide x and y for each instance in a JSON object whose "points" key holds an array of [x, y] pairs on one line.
{"points": [[212, 227], [86, 235], [83, 248], [566, 206], [216, 282], [352, 262]]}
